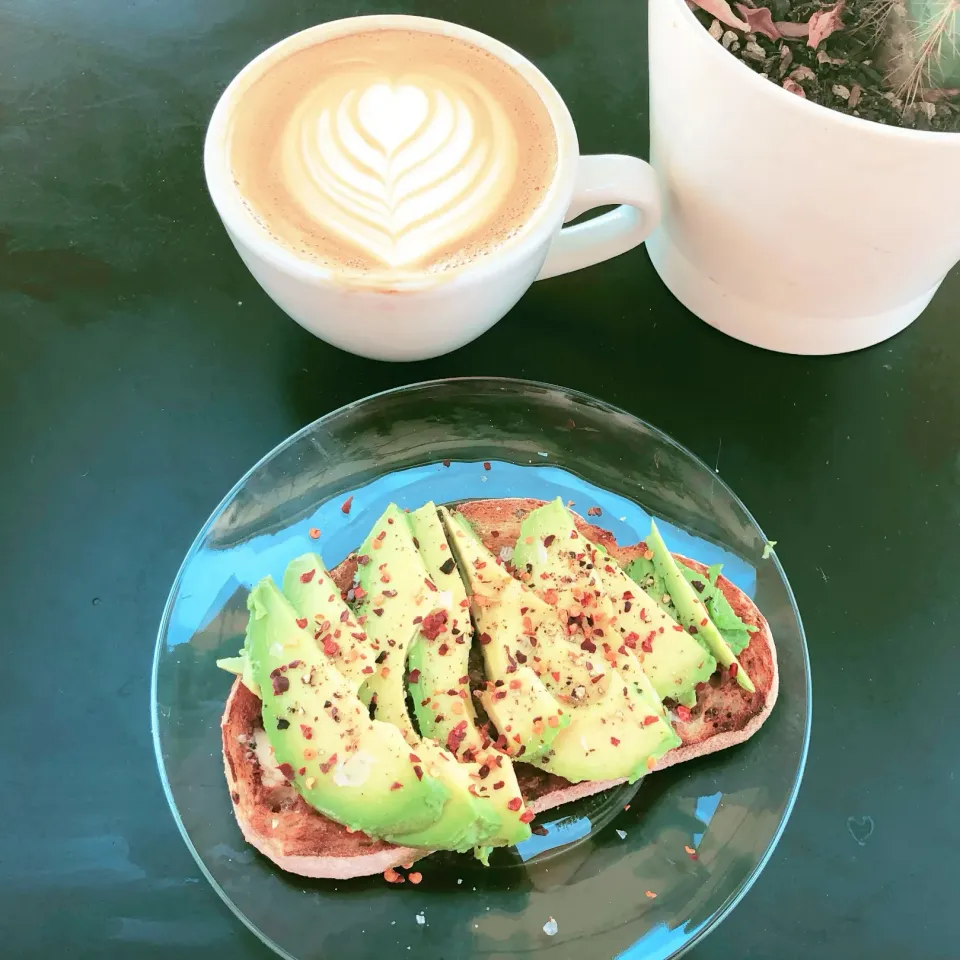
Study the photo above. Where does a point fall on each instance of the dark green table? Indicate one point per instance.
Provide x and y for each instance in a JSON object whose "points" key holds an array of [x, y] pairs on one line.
{"points": [[142, 371]]}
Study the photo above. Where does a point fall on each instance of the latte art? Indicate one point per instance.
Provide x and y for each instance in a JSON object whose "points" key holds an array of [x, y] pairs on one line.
{"points": [[401, 170], [392, 151]]}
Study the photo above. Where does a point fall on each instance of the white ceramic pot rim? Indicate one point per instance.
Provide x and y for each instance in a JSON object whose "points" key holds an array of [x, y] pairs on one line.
{"points": [[790, 101], [546, 219]]}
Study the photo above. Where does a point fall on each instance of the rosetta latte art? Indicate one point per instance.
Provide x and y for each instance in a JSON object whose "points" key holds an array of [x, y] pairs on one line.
{"points": [[399, 168]]}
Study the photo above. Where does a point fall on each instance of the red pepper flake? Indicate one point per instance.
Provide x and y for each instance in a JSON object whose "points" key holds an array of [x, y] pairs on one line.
{"points": [[419, 772], [433, 624], [378, 611], [430, 584], [692, 629], [589, 646], [486, 464], [302, 622], [396, 785], [485, 638], [344, 616], [314, 533], [691, 853], [456, 736], [302, 771], [553, 721], [359, 636], [703, 622], [306, 731], [556, 675], [515, 804], [594, 512], [367, 669], [683, 713], [330, 647], [280, 684], [415, 877], [631, 639], [615, 741], [443, 649], [414, 676], [308, 576], [527, 816], [446, 463], [677, 626], [734, 668], [647, 645], [347, 504], [286, 770], [363, 559], [650, 718], [391, 876], [549, 539], [499, 785], [359, 592]]}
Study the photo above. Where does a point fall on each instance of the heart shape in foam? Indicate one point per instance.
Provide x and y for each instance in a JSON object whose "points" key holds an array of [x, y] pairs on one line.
{"points": [[402, 168], [392, 115]]}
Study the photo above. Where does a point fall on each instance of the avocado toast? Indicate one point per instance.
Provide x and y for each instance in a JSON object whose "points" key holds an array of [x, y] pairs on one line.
{"points": [[600, 663]]}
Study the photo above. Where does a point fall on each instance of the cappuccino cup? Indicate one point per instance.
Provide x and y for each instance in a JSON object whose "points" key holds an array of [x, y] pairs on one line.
{"points": [[396, 183]]}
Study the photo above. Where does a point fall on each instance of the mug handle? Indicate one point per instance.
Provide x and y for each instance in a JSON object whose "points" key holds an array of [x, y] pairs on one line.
{"points": [[601, 180]]}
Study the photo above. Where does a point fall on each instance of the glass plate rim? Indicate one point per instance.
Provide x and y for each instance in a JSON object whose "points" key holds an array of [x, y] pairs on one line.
{"points": [[519, 382]]}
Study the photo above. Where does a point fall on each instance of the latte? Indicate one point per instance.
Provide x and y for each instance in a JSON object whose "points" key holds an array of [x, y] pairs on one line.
{"points": [[391, 152]]}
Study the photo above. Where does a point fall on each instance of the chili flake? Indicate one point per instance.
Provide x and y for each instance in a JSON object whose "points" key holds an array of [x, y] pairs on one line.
{"points": [[314, 533], [415, 877], [527, 816], [347, 504], [515, 803], [307, 576], [302, 622], [734, 668], [486, 464]]}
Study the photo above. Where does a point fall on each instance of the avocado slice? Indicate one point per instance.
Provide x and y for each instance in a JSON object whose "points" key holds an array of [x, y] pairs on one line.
{"points": [[309, 587], [356, 771], [623, 735], [440, 683], [397, 601], [684, 600], [633, 632], [731, 627], [521, 707]]}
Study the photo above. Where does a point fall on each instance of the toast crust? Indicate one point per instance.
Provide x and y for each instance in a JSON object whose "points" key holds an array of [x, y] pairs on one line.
{"points": [[279, 823]]}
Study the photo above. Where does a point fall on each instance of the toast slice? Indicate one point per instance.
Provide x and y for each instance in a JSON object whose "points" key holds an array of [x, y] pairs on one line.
{"points": [[276, 820]]}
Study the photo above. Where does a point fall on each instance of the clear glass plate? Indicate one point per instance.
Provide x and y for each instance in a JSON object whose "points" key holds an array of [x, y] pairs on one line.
{"points": [[592, 870]]}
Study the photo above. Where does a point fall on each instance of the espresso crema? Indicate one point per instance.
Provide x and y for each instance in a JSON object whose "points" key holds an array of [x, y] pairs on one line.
{"points": [[391, 152]]}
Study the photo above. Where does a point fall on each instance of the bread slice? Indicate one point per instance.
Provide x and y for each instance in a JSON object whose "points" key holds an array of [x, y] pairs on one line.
{"points": [[276, 820]]}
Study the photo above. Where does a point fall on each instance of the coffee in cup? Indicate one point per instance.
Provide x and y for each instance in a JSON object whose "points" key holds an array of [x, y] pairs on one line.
{"points": [[396, 183], [390, 152]]}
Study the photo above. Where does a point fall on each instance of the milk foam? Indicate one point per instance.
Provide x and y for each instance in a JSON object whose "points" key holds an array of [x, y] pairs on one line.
{"points": [[399, 168], [392, 151]]}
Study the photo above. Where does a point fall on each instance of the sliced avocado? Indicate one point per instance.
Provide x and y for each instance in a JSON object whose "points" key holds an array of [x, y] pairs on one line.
{"points": [[601, 606], [314, 595], [356, 771], [615, 735], [397, 599], [240, 666], [521, 707], [731, 627], [622, 735], [394, 595], [690, 610], [439, 655]]}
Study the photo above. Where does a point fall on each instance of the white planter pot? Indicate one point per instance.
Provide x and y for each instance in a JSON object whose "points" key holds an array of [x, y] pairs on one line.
{"points": [[785, 224]]}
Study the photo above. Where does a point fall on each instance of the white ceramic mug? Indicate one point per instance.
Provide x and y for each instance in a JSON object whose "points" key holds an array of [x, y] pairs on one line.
{"points": [[413, 321]]}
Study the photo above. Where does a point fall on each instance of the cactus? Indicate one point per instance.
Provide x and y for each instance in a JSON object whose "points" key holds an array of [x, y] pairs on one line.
{"points": [[921, 50], [934, 33]]}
